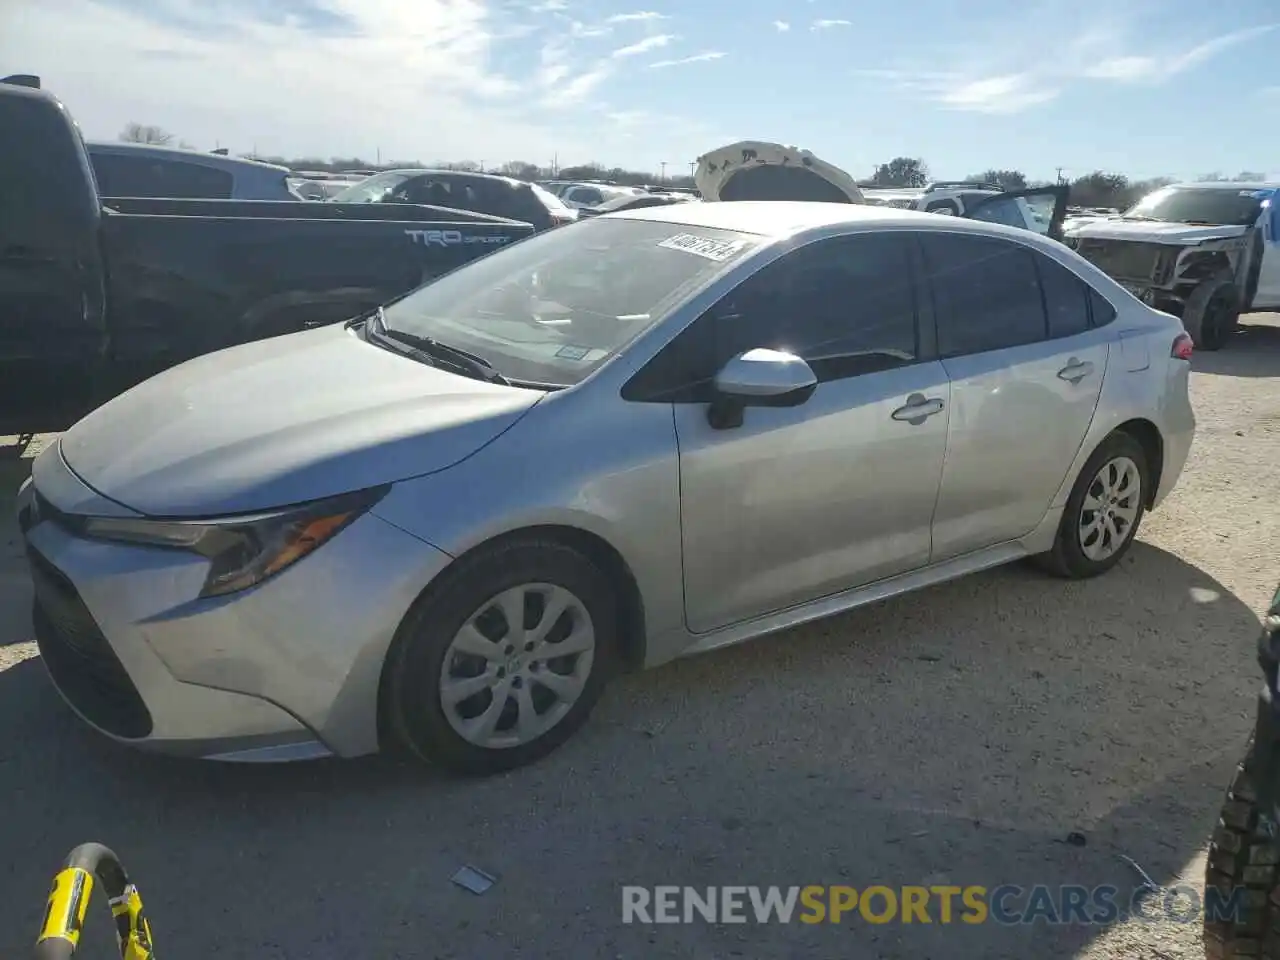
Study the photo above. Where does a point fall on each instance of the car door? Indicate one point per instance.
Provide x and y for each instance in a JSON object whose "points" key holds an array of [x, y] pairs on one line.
{"points": [[1039, 209], [1268, 293], [52, 316], [799, 503], [1026, 369]]}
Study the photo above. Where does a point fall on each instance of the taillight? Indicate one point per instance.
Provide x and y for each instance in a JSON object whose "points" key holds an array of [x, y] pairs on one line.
{"points": [[1183, 347]]}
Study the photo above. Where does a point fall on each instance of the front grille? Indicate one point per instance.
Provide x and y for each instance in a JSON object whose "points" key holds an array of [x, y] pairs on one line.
{"points": [[78, 657], [1126, 260]]}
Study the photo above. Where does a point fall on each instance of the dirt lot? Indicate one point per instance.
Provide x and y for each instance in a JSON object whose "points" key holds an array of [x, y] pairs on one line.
{"points": [[958, 735]]}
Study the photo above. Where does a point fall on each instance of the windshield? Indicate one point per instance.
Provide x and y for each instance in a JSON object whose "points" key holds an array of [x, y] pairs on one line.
{"points": [[553, 308], [372, 190], [1213, 205]]}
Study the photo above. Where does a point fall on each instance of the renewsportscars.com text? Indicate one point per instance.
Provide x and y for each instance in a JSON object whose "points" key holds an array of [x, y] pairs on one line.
{"points": [[1007, 905]]}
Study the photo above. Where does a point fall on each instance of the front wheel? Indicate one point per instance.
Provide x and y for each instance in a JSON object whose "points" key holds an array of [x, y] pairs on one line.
{"points": [[1212, 312], [502, 661], [1103, 512]]}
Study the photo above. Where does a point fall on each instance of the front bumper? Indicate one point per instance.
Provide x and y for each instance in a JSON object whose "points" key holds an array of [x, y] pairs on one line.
{"points": [[286, 670]]}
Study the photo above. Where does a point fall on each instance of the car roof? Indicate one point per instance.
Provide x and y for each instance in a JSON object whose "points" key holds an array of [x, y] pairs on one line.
{"points": [[469, 174], [177, 153], [783, 218]]}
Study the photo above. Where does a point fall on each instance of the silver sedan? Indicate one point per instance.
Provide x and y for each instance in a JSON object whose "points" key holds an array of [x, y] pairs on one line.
{"points": [[448, 524]]}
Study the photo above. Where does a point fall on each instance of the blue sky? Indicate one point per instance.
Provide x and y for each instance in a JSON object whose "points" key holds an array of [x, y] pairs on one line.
{"points": [[1127, 85]]}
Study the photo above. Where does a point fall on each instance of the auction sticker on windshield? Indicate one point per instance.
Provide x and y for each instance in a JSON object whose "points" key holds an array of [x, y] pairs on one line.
{"points": [[708, 247]]}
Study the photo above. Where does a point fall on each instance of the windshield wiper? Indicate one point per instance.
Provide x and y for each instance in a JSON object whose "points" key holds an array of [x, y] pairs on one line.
{"points": [[1138, 216], [467, 363]]}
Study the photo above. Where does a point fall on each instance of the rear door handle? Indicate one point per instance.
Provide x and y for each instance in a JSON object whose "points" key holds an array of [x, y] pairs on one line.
{"points": [[918, 407], [1075, 370]]}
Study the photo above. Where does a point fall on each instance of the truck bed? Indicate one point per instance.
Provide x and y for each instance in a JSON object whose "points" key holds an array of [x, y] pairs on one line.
{"points": [[296, 210], [186, 277]]}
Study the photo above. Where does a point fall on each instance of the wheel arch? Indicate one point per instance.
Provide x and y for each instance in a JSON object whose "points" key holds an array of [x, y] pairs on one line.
{"points": [[631, 614], [1149, 437], [1145, 432]]}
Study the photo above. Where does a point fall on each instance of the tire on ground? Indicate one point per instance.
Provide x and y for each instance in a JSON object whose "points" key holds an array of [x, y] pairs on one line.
{"points": [[412, 712], [1242, 856], [1212, 311], [1066, 558]]}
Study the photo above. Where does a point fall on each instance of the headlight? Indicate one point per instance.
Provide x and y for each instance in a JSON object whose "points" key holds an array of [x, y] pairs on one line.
{"points": [[1223, 243], [246, 550]]}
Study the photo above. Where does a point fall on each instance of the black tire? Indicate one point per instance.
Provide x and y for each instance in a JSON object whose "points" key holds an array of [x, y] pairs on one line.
{"points": [[1242, 856], [1067, 558], [1212, 312], [411, 680]]}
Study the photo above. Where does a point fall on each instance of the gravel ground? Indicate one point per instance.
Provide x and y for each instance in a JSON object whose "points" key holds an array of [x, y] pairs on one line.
{"points": [[958, 735]]}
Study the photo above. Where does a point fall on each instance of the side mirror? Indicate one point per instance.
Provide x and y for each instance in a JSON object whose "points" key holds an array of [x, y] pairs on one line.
{"points": [[759, 378]]}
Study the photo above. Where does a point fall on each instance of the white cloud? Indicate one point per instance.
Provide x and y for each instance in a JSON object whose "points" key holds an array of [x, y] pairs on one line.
{"points": [[828, 24], [645, 45], [644, 16], [1158, 69], [553, 63], [404, 80], [584, 31], [549, 6], [781, 26], [1011, 93], [696, 58], [1016, 83], [576, 90]]}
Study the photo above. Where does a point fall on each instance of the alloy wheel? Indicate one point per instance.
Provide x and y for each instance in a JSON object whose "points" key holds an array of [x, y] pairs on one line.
{"points": [[517, 666], [1110, 509]]}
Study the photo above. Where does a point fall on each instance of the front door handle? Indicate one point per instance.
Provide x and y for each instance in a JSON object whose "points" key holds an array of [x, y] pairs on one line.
{"points": [[918, 407], [1075, 370]]}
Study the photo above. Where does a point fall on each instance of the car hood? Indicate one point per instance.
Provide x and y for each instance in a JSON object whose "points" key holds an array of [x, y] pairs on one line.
{"points": [[761, 170], [282, 421], [1150, 231]]}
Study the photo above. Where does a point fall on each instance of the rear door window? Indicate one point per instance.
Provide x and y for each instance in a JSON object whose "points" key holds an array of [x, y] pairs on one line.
{"points": [[1066, 298], [143, 176], [986, 293]]}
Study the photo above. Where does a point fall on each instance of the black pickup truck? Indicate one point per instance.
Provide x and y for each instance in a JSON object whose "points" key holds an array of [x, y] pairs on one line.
{"points": [[97, 295]]}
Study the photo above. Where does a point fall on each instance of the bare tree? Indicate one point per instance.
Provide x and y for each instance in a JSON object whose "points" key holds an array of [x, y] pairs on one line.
{"points": [[145, 133]]}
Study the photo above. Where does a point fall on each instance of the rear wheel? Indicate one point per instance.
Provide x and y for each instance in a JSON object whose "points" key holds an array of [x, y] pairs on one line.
{"points": [[1243, 856], [1103, 512], [1212, 312]]}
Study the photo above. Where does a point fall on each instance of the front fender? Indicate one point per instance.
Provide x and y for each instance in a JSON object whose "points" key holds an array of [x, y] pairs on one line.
{"points": [[608, 469]]}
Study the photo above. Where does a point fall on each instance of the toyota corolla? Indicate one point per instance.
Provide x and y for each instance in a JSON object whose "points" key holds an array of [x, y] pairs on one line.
{"points": [[447, 524]]}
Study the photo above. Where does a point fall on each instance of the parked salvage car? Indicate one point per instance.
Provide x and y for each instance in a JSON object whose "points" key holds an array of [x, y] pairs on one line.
{"points": [[636, 201], [94, 299], [1205, 252], [144, 170], [648, 435], [582, 195], [480, 192]]}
